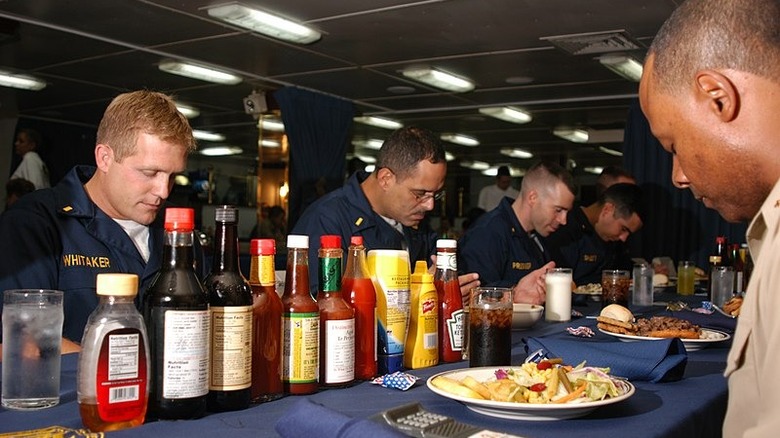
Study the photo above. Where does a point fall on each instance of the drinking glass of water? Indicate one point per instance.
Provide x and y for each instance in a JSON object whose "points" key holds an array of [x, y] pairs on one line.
{"points": [[32, 334]]}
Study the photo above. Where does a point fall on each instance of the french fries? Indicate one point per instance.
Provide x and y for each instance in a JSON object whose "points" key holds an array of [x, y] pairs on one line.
{"points": [[455, 387], [537, 383]]}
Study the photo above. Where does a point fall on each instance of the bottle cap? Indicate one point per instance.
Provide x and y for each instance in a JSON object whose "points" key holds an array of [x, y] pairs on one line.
{"points": [[420, 274], [119, 285], [262, 247], [226, 213], [446, 243], [356, 240], [179, 219], [720, 239], [297, 241], [330, 241]]}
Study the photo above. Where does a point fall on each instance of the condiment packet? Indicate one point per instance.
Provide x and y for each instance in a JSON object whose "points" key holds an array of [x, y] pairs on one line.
{"points": [[396, 380], [706, 308], [581, 331]]}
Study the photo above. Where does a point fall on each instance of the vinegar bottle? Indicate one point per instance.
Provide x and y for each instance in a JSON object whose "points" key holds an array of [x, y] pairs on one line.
{"points": [[300, 322], [267, 323], [450, 301], [421, 348], [176, 312], [113, 366], [719, 257], [358, 289], [337, 318], [230, 298]]}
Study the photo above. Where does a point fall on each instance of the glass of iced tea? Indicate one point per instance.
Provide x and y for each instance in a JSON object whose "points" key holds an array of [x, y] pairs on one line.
{"points": [[614, 287], [490, 326]]}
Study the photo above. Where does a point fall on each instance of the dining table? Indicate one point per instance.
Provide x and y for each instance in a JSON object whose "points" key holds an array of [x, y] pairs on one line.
{"points": [[692, 406]]}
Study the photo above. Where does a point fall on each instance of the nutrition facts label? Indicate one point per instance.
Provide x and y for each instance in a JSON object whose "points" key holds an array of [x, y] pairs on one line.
{"points": [[186, 356]]}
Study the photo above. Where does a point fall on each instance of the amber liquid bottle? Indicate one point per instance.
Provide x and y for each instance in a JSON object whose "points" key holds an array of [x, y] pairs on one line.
{"points": [[300, 322], [337, 318], [230, 298], [358, 289], [450, 301], [267, 323], [113, 367], [176, 313]]}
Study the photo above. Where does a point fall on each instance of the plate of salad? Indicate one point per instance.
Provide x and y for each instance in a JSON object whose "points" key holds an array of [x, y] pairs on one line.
{"points": [[533, 391]]}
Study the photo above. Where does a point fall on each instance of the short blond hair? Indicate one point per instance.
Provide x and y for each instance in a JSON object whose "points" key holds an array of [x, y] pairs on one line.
{"points": [[143, 111]]}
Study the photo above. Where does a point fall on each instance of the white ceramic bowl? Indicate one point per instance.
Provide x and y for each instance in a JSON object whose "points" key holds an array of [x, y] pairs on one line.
{"points": [[526, 315]]}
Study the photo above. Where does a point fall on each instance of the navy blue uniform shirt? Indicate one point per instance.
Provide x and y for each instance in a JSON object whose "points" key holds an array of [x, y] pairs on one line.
{"points": [[346, 212], [499, 249], [576, 245], [58, 238]]}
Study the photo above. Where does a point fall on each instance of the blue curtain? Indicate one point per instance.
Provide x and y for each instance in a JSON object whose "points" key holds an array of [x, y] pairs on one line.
{"points": [[677, 225], [318, 130]]}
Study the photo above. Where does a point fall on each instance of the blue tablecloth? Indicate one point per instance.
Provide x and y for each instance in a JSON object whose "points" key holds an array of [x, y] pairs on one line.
{"points": [[694, 406]]}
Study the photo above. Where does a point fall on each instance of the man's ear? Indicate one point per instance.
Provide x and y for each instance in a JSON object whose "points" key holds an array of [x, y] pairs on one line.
{"points": [[533, 197], [608, 210], [104, 156], [385, 177], [718, 92]]}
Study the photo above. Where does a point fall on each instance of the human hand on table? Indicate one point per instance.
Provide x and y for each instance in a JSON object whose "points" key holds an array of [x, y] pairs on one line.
{"points": [[467, 282], [531, 289]]}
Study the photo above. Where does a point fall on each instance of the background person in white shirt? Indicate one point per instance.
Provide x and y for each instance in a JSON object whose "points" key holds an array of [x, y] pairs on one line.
{"points": [[490, 196], [32, 168]]}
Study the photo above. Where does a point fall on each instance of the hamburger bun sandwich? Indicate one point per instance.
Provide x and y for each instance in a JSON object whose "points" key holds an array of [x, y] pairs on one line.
{"points": [[660, 280], [617, 319]]}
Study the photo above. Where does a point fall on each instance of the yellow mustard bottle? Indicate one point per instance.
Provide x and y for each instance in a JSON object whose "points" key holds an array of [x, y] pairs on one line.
{"points": [[422, 338]]}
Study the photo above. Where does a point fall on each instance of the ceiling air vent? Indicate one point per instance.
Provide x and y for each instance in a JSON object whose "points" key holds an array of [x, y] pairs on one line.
{"points": [[594, 42]]}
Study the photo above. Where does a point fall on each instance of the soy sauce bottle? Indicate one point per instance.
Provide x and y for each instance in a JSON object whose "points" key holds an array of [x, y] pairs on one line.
{"points": [[230, 297], [176, 312]]}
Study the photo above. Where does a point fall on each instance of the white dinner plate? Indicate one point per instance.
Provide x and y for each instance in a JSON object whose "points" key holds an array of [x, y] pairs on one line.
{"points": [[520, 411], [708, 336]]}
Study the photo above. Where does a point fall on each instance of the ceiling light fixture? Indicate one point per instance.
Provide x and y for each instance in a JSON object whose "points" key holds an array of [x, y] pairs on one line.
{"points": [[439, 79], [475, 165], [596, 170], [188, 111], [218, 151], [371, 143], [268, 143], [207, 136], [463, 140], [265, 23], [507, 114], [513, 171], [20, 81], [366, 158], [516, 153], [572, 134], [379, 122], [370, 168], [610, 151], [200, 72], [623, 65], [449, 156], [271, 124]]}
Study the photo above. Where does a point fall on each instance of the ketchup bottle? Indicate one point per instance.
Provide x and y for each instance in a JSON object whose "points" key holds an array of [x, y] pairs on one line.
{"points": [[358, 289], [450, 301]]}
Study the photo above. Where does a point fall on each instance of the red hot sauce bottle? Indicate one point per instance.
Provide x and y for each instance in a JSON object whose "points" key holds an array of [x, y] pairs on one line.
{"points": [[358, 289]]}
